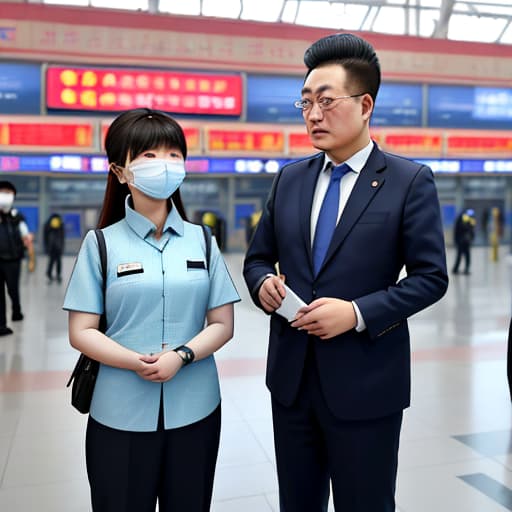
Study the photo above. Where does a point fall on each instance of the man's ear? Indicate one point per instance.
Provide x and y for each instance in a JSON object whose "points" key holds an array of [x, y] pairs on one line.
{"points": [[367, 106], [118, 171]]}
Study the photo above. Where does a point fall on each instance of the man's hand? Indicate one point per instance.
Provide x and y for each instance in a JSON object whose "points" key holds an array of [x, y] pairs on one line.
{"points": [[271, 293], [326, 317]]}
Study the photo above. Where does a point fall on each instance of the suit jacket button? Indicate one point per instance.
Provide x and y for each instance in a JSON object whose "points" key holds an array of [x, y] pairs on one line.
{"points": [[314, 293]]}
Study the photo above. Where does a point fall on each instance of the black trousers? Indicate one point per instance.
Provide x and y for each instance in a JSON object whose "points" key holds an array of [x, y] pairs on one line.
{"points": [[10, 279], [315, 448], [54, 260], [463, 251], [129, 471]]}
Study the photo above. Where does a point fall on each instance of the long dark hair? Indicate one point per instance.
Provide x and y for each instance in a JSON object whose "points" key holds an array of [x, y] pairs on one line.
{"points": [[130, 134]]}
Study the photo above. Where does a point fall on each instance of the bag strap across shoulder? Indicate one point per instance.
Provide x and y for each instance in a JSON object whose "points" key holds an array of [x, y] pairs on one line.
{"points": [[83, 360], [208, 243], [102, 248]]}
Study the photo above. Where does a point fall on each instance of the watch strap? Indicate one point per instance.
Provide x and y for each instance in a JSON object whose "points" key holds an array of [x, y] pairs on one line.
{"points": [[186, 353]]}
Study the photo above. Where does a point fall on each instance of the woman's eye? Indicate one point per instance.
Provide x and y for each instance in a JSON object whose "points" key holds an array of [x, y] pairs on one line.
{"points": [[149, 155]]}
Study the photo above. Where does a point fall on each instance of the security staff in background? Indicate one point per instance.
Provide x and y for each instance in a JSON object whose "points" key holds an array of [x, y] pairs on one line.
{"points": [[15, 238]]}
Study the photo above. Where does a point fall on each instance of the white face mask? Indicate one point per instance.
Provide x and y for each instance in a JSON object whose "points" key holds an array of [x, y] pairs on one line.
{"points": [[6, 201], [158, 178]]}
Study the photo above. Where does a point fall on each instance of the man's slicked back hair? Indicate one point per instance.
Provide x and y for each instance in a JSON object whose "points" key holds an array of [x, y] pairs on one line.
{"points": [[355, 54]]}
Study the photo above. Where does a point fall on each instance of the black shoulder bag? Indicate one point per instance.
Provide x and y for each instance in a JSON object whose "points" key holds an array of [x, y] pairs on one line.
{"points": [[86, 369]]}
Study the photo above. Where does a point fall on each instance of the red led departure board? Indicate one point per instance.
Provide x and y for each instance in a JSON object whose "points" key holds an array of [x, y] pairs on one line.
{"points": [[118, 89], [46, 134], [299, 143], [415, 143], [481, 143], [245, 140]]}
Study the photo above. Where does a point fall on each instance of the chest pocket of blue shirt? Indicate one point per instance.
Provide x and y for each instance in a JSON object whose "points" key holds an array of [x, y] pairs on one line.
{"points": [[196, 269], [129, 278]]}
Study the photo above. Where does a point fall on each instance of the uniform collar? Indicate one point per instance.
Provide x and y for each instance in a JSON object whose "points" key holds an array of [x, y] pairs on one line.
{"points": [[144, 227], [357, 161]]}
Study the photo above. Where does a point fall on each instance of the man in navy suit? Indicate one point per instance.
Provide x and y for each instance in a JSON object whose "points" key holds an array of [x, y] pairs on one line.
{"points": [[339, 374]]}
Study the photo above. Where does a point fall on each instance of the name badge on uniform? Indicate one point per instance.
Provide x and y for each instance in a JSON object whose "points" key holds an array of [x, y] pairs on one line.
{"points": [[126, 269], [195, 264]]}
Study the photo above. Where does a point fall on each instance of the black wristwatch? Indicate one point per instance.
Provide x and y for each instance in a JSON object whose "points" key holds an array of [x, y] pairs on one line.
{"points": [[186, 353]]}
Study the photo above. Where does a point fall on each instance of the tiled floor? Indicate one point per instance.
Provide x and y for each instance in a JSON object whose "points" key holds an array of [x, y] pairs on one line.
{"points": [[456, 449]]}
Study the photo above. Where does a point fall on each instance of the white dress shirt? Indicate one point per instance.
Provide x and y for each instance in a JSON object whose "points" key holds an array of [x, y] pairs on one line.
{"points": [[356, 162]]}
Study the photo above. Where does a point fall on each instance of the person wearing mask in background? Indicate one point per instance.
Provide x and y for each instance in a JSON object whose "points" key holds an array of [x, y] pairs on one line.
{"points": [[154, 423], [54, 246], [15, 239], [342, 224], [463, 236]]}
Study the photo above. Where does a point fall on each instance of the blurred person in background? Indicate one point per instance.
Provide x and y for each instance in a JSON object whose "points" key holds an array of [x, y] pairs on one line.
{"points": [[463, 236], [154, 424], [53, 238], [15, 240], [251, 223]]}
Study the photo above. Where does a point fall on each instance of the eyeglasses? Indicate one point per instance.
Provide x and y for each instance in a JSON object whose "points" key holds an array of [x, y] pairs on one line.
{"points": [[325, 103]]}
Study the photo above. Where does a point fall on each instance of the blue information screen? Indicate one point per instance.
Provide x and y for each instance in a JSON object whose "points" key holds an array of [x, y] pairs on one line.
{"points": [[72, 225], [398, 105], [270, 99], [451, 106], [20, 88]]}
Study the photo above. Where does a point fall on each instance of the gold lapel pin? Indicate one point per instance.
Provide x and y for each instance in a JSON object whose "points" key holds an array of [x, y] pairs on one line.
{"points": [[375, 183]]}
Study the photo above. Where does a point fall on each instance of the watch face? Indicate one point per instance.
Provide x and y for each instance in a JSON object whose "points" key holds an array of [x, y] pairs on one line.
{"points": [[186, 354]]}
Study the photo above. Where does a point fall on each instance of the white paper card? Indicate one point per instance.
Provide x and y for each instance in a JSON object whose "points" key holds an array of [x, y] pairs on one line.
{"points": [[290, 305]]}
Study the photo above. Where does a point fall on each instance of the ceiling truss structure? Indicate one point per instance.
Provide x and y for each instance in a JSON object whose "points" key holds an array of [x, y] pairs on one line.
{"points": [[442, 12], [470, 20]]}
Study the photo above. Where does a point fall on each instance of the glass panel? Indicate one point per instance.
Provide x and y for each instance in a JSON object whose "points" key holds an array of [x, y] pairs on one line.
{"points": [[190, 7], [474, 28], [71, 192], [224, 9], [390, 21], [126, 4], [67, 2], [261, 10]]}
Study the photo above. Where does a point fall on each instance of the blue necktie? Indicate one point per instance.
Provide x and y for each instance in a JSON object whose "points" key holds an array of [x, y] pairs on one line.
{"points": [[328, 215]]}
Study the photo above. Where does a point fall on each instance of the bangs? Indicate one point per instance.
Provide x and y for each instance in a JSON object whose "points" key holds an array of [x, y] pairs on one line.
{"points": [[154, 132]]}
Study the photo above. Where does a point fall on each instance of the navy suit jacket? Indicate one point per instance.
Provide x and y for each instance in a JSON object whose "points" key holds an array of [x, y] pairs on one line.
{"points": [[392, 219]]}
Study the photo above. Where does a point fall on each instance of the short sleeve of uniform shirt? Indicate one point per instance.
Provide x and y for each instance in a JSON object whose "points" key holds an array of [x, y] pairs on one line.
{"points": [[85, 292]]}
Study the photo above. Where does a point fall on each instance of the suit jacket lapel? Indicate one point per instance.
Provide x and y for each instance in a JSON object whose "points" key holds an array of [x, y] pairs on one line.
{"points": [[370, 179], [306, 201]]}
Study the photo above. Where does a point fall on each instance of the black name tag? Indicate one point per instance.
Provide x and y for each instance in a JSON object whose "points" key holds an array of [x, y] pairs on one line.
{"points": [[126, 269], [195, 264]]}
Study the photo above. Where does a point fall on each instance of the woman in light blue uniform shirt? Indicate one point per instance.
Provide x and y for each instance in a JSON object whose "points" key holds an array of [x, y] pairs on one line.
{"points": [[154, 424]]}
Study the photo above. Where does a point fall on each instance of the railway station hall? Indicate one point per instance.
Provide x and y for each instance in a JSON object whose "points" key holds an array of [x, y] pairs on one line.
{"points": [[255, 256]]}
